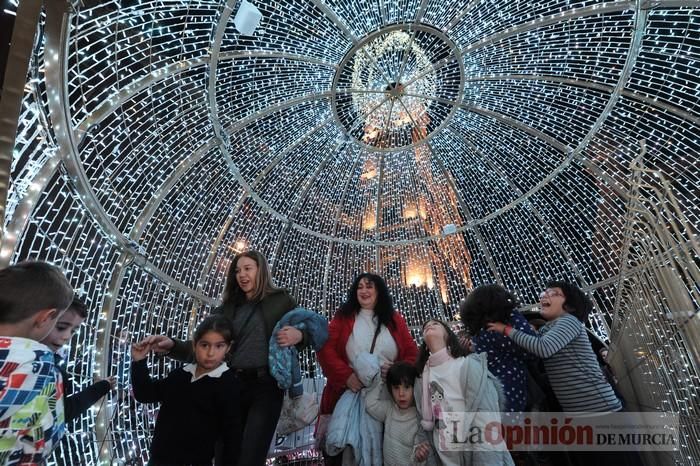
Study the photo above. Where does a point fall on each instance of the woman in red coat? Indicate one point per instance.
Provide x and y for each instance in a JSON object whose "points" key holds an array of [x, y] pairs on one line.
{"points": [[368, 315]]}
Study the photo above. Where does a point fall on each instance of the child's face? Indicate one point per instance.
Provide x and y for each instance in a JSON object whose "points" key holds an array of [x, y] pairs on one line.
{"points": [[402, 395], [434, 331], [210, 350], [247, 275], [66, 326], [552, 303]]}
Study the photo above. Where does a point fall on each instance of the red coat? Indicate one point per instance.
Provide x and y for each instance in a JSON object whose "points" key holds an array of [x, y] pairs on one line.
{"points": [[334, 359]]}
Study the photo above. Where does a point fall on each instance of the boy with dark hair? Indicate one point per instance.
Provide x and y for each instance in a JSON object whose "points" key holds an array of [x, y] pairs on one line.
{"points": [[66, 326], [405, 442], [32, 296]]}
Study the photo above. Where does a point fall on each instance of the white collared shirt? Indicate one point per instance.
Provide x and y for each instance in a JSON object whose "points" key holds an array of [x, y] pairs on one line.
{"points": [[216, 373]]}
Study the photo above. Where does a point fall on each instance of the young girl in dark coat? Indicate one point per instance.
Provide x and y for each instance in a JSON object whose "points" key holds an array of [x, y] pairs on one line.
{"points": [[254, 305], [198, 402]]}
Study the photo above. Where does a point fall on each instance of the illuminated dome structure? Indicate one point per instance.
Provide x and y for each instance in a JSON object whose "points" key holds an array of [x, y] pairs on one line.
{"points": [[443, 144]]}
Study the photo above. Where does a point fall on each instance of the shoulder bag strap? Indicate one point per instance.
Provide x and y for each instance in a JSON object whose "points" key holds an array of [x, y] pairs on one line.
{"points": [[376, 334]]}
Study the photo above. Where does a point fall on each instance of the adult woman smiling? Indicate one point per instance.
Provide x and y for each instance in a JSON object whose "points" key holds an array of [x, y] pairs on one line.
{"points": [[366, 322], [254, 306]]}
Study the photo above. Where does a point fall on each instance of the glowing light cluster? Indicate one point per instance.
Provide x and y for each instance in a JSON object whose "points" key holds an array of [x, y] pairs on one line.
{"points": [[188, 142]]}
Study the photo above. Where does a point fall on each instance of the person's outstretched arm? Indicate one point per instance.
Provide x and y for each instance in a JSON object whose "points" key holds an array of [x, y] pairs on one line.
{"points": [[78, 403], [146, 390], [563, 331]]}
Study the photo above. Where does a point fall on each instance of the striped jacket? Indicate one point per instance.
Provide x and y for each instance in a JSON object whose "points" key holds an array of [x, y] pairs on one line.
{"points": [[571, 365]]}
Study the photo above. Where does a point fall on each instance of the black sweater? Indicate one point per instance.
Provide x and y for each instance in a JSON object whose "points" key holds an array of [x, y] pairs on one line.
{"points": [[192, 416], [76, 404]]}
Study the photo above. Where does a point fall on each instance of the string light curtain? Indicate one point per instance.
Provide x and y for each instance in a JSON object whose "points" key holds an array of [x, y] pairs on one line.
{"points": [[443, 144]]}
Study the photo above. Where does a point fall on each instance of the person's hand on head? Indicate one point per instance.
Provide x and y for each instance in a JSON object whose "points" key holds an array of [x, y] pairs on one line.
{"points": [[498, 327], [466, 342]]}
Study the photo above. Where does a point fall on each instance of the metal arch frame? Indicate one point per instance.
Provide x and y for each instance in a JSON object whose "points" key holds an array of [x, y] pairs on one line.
{"points": [[547, 20], [413, 27], [126, 93], [57, 34], [155, 201], [551, 141], [455, 21], [21, 216], [498, 169], [219, 135], [580, 12], [227, 56], [635, 45], [187, 164], [650, 101], [571, 155], [610, 7], [19, 57], [330, 14], [249, 189], [312, 97], [535, 211], [378, 211], [279, 157], [242, 123], [27, 20], [220, 132], [336, 220], [465, 208], [308, 183], [104, 416]]}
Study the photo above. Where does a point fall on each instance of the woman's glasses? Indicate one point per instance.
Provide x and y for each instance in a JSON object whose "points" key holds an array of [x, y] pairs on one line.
{"points": [[551, 294]]}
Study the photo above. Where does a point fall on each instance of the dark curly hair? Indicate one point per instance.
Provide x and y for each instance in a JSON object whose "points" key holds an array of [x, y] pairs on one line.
{"points": [[384, 309], [576, 302], [454, 347], [486, 303]]}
